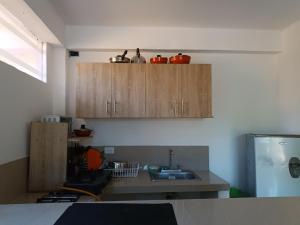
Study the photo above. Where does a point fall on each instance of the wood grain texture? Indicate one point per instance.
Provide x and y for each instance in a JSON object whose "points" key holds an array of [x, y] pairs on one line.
{"points": [[196, 95], [144, 91], [128, 90], [48, 156], [85, 98], [162, 91], [93, 98]]}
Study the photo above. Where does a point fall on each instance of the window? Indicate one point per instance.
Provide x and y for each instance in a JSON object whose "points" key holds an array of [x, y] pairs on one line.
{"points": [[20, 48]]}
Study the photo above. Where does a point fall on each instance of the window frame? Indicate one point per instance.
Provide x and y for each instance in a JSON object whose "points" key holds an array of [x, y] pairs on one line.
{"points": [[16, 28]]}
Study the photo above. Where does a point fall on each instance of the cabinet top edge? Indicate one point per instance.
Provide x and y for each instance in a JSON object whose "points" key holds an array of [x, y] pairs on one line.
{"points": [[146, 64]]}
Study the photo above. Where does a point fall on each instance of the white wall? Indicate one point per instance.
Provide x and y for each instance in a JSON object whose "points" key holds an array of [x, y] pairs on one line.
{"points": [[91, 37], [57, 73], [24, 99], [289, 80], [245, 97], [21, 10], [47, 13]]}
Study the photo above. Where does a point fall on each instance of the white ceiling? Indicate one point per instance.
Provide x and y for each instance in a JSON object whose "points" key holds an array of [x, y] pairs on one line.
{"points": [[249, 14]]}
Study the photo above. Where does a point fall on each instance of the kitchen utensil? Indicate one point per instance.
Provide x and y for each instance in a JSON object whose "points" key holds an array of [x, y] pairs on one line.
{"points": [[83, 132], [159, 60], [180, 59], [124, 169], [94, 159], [119, 165], [138, 58], [50, 119], [120, 58]]}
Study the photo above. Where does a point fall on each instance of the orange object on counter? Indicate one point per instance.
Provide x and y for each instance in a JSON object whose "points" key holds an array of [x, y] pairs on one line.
{"points": [[94, 159]]}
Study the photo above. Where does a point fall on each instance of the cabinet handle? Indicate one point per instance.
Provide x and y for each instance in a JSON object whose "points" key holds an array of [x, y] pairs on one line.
{"points": [[182, 107], [172, 105], [115, 107], [175, 110], [107, 107]]}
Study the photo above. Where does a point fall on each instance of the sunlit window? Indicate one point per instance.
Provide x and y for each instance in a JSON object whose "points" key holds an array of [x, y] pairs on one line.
{"points": [[20, 48]]}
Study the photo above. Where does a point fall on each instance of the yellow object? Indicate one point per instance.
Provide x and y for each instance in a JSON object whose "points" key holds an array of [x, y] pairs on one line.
{"points": [[81, 191]]}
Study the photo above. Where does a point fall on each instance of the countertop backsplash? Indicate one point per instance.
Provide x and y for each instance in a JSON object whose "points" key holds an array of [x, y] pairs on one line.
{"points": [[186, 157]]}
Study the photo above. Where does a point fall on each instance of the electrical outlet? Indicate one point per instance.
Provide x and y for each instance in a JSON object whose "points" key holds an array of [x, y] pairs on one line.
{"points": [[109, 150]]}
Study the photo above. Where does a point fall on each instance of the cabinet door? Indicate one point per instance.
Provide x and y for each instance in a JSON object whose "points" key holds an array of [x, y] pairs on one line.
{"points": [[162, 91], [195, 90], [93, 90], [48, 156], [128, 90]]}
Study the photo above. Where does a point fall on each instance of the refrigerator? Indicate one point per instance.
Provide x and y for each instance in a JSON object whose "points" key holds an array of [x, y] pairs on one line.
{"points": [[273, 165]]}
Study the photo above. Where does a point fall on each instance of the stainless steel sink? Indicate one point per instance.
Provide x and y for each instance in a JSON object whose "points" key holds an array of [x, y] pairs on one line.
{"points": [[173, 175]]}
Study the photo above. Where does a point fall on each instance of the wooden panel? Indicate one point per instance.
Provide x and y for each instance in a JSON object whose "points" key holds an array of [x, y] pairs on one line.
{"points": [[85, 96], [103, 90], [48, 156], [128, 88], [162, 89], [93, 90], [195, 90]]}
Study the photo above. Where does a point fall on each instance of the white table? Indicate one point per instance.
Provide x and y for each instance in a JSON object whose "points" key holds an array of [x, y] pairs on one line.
{"points": [[252, 211]]}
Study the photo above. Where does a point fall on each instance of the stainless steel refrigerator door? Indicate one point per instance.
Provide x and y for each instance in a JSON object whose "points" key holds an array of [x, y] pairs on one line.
{"points": [[273, 176]]}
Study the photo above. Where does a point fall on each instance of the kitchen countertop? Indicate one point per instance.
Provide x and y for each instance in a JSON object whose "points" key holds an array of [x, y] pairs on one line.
{"points": [[247, 211], [143, 184]]}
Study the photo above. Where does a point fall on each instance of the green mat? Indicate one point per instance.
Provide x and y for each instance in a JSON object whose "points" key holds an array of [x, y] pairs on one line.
{"points": [[237, 193]]}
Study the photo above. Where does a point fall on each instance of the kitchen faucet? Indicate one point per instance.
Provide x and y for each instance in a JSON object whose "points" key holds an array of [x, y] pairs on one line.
{"points": [[171, 158]]}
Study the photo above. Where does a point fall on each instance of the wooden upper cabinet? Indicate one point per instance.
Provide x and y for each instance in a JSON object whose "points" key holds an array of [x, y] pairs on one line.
{"points": [[196, 95], [143, 91], [93, 90], [162, 91], [128, 90]]}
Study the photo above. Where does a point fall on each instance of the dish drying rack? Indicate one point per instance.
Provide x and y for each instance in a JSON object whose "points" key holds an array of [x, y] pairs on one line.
{"points": [[130, 169]]}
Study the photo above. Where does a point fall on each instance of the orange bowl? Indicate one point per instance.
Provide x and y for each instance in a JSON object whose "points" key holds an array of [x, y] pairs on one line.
{"points": [[83, 133], [159, 60], [180, 59]]}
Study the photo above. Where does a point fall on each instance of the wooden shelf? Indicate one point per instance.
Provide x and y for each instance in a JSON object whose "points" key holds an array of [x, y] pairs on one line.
{"points": [[78, 139]]}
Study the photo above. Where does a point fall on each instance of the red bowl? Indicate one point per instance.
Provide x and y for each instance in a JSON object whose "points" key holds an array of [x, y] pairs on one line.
{"points": [[159, 60], [83, 133], [180, 59]]}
